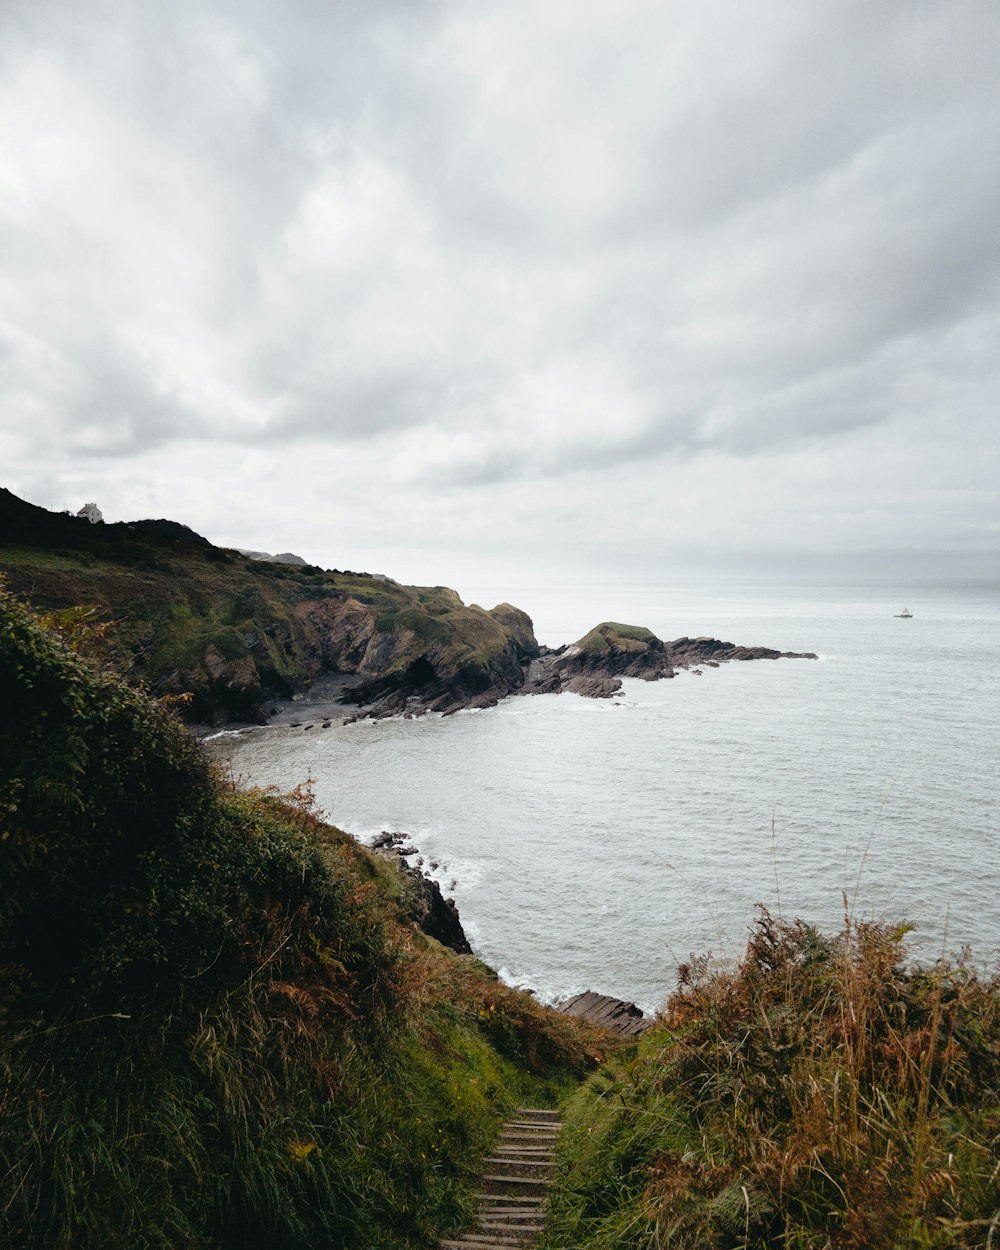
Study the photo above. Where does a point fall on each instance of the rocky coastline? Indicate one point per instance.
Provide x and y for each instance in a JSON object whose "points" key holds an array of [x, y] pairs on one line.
{"points": [[593, 667], [233, 639], [422, 899]]}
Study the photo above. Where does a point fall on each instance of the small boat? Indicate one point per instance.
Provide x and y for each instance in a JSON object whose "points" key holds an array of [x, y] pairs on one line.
{"points": [[906, 614]]}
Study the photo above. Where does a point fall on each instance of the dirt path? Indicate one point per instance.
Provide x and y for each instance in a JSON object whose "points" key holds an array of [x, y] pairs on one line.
{"points": [[514, 1187]]}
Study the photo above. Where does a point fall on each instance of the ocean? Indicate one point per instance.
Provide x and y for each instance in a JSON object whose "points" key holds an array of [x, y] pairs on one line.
{"points": [[594, 844]]}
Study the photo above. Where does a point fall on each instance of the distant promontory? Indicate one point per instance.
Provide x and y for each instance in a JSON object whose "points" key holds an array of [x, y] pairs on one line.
{"points": [[232, 635]]}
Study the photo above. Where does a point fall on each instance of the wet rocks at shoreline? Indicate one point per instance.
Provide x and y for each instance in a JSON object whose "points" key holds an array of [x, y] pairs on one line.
{"points": [[595, 665], [422, 899], [610, 1013]]}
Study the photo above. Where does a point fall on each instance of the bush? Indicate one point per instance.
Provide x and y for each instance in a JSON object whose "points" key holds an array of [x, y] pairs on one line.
{"points": [[823, 1094]]}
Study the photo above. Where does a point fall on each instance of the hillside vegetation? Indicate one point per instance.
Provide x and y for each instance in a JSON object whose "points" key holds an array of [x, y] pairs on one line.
{"points": [[821, 1096], [217, 1027], [231, 634]]}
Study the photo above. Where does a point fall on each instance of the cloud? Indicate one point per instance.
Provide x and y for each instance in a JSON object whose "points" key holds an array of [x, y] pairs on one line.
{"points": [[485, 250]]}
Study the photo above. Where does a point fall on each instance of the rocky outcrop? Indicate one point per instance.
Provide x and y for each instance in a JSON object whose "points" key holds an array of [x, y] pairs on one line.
{"points": [[611, 1013], [461, 657], [236, 635], [595, 665], [283, 557], [421, 898], [689, 652]]}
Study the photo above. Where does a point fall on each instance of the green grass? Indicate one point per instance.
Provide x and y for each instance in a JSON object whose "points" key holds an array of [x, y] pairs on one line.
{"points": [[823, 1094], [172, 609], [610, 634], [217, 1026]]}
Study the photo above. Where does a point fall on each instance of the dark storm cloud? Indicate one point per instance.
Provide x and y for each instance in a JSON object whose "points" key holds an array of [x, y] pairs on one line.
{"points": [[493, 244]]}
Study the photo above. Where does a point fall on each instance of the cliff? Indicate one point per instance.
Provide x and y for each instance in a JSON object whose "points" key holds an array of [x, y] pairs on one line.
{"points": [[232, 635]]}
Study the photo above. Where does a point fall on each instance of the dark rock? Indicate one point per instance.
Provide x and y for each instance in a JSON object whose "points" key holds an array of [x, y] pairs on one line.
{"points": [[593, 685], [594, 665], [611, 1013], [422, 899], [386, 839]]}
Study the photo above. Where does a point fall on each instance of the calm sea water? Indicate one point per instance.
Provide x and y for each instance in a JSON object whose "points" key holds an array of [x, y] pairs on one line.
{"points": [[595, 844]]}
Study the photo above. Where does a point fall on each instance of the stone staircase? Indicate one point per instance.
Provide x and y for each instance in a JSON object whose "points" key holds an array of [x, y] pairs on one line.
{"points": [[515, 1185]]}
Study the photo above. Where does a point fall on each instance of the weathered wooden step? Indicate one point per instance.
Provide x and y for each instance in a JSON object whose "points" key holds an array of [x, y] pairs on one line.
{"points": [[517, 1180], [513, 1198], [520, 1163], [511, 1213], [525, 1203], [504, 1215], [518, 1230], [484, 1243], [507, 1243]]}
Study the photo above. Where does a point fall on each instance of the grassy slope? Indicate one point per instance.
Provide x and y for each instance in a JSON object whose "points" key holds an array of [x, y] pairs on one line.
{"points": [[189, 618], [216, 1027], [821, 1096]]}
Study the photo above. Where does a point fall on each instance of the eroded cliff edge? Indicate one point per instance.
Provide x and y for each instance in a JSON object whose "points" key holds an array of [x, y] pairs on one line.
{"points": [[233, 637]]}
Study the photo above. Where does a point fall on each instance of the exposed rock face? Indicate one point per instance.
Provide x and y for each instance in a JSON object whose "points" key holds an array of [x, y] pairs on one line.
{"points": [[462, 658], [686, 652], [612, 1013], [426, 906], [594, 666], [237, 635]]}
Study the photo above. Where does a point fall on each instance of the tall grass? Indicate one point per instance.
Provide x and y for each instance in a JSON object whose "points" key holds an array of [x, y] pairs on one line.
{"points": [[822, 1094], [217, 1027]]}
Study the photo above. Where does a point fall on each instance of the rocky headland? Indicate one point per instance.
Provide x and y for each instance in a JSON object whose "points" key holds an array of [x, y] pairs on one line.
{"points": [[595, 665], [233, 638]]}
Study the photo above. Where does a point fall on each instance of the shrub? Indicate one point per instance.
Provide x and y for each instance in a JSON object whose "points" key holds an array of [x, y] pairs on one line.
{"points": [[821, 1094]]}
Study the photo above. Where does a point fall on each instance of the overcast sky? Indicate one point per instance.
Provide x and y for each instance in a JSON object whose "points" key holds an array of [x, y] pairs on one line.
{"points": [[484, 290]]}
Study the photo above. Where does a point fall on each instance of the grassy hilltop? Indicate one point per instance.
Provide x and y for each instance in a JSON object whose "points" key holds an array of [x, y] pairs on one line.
{"points": [[217, 1026], [232, 633]]}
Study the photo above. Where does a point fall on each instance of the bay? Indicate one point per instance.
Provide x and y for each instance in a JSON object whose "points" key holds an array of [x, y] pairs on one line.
{"points": [[595, 844]]}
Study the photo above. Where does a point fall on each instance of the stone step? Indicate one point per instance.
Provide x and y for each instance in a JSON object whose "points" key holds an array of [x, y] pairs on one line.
{"points": [[520, 1161], [512, 1214]]}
